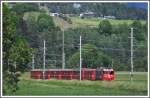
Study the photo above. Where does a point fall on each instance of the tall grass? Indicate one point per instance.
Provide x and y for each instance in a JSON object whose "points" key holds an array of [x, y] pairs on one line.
{"points": [[120, 86]]}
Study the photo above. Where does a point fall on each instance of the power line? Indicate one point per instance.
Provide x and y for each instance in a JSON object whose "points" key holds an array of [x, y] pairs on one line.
{"points": [[33, 62], [63, 45]]}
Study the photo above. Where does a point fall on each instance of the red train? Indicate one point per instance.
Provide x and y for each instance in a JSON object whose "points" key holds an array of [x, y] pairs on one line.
{"points": [[69, 74]]}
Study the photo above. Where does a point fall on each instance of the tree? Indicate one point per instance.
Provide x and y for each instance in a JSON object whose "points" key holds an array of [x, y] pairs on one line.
{"points": [[45, 22], [138, 29], [91, 57], [21, 8], [21, 53], [105, 27], [16, 52]]}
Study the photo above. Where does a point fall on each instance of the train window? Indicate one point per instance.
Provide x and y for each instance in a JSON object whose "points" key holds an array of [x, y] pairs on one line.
{"points": [[105, 72], [112, 72]]}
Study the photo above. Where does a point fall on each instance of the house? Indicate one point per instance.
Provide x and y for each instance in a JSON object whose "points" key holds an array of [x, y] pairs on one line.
{"points": [[87, 15], [54, 14], [109, 17]]}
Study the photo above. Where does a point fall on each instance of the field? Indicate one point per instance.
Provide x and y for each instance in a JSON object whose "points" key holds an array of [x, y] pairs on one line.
{"points": [[94, 22], [120, 86], [87, 22], [91, 22]]}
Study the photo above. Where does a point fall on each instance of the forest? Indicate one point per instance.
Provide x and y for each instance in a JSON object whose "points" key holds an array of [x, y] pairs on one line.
{"points": [[25, 27]]}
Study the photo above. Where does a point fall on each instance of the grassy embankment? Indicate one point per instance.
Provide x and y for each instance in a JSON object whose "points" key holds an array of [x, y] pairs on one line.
{"points": [[120, 86]]}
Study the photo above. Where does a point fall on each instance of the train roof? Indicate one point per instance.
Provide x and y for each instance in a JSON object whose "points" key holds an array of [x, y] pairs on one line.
{"points": [[108, 69], [88, 69]]}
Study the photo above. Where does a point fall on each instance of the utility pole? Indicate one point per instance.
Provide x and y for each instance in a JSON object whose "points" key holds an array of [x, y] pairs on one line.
{"points": [[44, 62], [131, 73], [112, 63], [33, 62], [63, 53], [80, 58]]}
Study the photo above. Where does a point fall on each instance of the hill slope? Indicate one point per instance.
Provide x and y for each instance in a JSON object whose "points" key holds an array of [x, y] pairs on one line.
{"points": [[92, 22]]}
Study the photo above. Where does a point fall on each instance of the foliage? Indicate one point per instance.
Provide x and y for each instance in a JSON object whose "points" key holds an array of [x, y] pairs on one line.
{"points": [[39, 27], [16, 52], [91, 57], [45, 22], [21, 8], [105, 27], [138, 29], [116, 46], [21, 53]]}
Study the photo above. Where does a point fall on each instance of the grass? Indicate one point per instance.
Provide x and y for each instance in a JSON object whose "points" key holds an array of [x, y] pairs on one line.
{"points": [[94, 22], [120, 86], [33, 14], [61, 23], [87, 22]]}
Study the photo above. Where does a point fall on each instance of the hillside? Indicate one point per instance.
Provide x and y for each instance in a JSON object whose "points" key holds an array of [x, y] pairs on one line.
{"points": [[78, 22], [93, 22], [33, 15], [87, 28], [61, 23]]}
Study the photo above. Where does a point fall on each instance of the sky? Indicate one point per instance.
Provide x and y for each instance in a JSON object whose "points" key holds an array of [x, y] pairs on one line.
{"points": [[138, 5]]}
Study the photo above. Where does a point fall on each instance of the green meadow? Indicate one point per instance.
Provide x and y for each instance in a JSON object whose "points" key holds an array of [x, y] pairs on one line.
{"points": [[121, 86]]}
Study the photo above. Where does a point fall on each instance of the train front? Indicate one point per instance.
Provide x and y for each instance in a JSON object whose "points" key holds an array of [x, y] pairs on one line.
{"points": [[107, 74]]}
